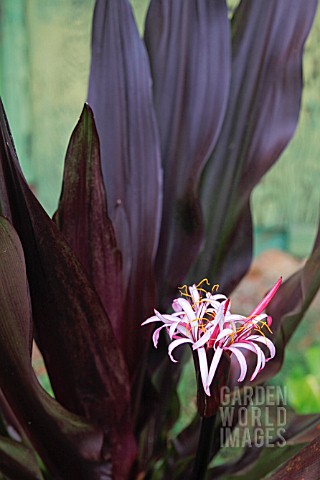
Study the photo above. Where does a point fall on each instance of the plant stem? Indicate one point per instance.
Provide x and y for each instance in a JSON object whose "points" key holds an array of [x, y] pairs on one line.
{"points": [[204, 448]]}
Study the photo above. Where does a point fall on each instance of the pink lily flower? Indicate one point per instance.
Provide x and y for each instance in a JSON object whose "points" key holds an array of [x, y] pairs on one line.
{"points": [[204, 320]]}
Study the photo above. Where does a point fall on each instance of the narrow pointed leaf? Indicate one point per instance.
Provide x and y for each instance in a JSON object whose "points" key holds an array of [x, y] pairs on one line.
{"points": [[121, 99], [68, 445], [18, 461], [189, 51], [85, 364], [262, 114], [83, 219]]}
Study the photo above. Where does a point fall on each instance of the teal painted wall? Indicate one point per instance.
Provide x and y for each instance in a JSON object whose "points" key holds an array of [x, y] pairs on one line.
{"points": [[45, 56]]}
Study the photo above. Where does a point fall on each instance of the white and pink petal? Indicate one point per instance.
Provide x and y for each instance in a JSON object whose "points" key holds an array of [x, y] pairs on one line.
{"points": [[175, 344], [203, 364], [266, 341], [214, 365], [241, 360]]}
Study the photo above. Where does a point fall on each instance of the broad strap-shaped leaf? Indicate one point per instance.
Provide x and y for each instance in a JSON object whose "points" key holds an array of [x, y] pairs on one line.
{"points": [[262, 114], [82, 217], [121, 98], [84, 362], [305, 464], [69, 446], [189, 51], [18, 461]]}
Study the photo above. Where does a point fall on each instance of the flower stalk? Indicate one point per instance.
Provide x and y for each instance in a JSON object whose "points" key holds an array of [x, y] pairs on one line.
{"points": [[202, 458]]}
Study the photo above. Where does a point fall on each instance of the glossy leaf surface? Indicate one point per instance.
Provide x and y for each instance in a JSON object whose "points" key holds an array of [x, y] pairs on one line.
{"points": [[121, 99], [262, 114], [83, 218], [68, 445], [84, 361], [189, 51]]}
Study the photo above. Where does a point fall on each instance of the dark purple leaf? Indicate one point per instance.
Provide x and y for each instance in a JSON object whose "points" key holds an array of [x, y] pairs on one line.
{"points": [[304, 465], [83, 218], [85, 364], [262, 114], [190, 100], [236, 250], [121, 99], [18, 461], [69, 446], [189, 50]]}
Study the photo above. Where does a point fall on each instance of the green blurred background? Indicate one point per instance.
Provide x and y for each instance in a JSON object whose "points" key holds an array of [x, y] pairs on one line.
{"points": [[44, 65]]}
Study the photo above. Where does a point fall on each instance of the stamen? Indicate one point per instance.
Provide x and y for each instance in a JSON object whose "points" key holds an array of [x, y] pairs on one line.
{"points": [[185, 292], [201, 300], [203, 290], [204, 280]]}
